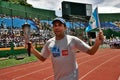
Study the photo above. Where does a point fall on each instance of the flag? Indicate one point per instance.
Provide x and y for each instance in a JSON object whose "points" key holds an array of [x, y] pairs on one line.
{"points": [[93, 22]]}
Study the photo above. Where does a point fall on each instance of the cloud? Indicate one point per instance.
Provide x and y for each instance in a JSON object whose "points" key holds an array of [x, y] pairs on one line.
{"points": [[45, 4], [106, 3], [105, 6], [111, 6], [108, 9], [117, 5]]}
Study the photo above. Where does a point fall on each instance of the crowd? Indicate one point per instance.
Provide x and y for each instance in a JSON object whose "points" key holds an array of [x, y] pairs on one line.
{"points": [[113, 42], [6, 40], [9, 34]]}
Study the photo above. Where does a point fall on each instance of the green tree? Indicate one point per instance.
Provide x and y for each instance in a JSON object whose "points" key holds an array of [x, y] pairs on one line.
{"points": [[109, 33]]}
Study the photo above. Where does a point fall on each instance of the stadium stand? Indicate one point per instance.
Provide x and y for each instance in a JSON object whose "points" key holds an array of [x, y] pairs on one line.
{"points": [[13, 16]]}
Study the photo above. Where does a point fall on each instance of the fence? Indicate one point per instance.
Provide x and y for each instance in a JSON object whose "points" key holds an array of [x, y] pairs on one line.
{"points": [[25, 11]]}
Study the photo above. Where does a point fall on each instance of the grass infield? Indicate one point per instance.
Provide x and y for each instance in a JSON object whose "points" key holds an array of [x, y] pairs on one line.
{"points": [[22, 59], [13, 61]]}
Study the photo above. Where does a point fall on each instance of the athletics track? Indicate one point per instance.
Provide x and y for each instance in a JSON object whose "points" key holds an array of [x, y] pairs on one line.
{"points": [[104, 65]]}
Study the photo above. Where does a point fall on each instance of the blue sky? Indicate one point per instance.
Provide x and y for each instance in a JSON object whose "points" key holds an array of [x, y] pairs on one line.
{"points": [[104, 6]]}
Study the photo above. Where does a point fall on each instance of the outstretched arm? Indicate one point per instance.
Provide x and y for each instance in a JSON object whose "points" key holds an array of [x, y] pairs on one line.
{"points": [[99, 40], [36, 52]]}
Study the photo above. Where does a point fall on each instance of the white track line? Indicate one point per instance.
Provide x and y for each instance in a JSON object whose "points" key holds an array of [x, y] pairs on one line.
{"points": [[92, 59], [80, 63], [48, 77], [53, 75], [49, 67], [8, 72], [31, 73], [15, 70], [98, 67], [34, 72]]}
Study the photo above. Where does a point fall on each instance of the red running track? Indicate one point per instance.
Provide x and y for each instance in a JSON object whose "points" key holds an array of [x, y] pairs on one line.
{"points": [[104, 65]]}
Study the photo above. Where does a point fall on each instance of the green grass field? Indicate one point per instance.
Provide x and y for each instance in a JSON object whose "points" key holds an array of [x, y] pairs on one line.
{"points": [[22, 59], [16, 57], [13, 61]]}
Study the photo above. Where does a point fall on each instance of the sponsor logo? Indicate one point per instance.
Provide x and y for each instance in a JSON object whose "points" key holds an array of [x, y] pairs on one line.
{"points": [[64, 52], [55, 51]]}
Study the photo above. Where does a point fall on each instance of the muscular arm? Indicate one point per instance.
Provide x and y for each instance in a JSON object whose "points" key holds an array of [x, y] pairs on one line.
{"points": [[93, 49], [98, 42], [37, 54]]}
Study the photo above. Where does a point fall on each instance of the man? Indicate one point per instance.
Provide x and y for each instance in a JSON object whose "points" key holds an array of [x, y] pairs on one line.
{"points": [[62, 50]]}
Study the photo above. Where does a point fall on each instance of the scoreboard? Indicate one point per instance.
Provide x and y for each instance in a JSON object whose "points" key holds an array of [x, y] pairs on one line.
{"points": [[76, 9]]}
